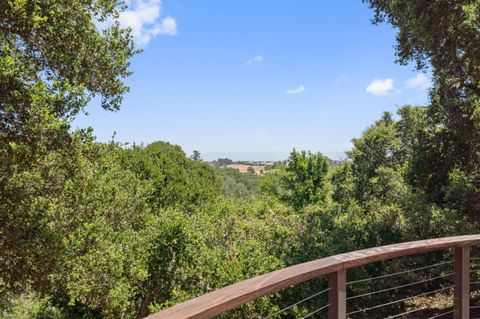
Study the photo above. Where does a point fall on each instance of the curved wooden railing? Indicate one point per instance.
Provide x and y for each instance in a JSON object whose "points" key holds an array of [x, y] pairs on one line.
{"points": [[230, 297]]}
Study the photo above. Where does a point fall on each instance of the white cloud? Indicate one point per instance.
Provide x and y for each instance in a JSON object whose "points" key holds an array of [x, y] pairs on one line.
{"points": [[380, 87], [420, 81], [168, 26], [255, 60], [297, 90], [142, 16]]}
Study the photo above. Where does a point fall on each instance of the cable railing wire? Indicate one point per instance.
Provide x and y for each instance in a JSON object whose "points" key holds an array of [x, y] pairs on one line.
{"points": [[386, 290], [381, 291], [400, 300], [315, 311], [400, 286], [399, 273], [441, 315], [297, 303], [405, 313]]}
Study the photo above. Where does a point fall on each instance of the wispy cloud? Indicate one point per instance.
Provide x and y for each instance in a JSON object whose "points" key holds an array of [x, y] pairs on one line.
{"points": [[143, 17], [420, 81], [298, 90], [340, 79], [380, 87], [255, 60]]}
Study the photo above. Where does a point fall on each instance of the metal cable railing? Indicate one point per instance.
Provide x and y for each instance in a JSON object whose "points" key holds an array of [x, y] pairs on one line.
{"points": [[406, 293], [417, 310], [316, 311], [298, 303], [284, 312], [474, 282], [399, 273], [433, 279], [399, 287], [409, 312], [406, 313], [399, 300], [441, 315]]}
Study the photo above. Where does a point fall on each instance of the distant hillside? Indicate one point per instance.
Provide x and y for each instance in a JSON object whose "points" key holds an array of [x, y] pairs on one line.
{"points": [[258, 166], [245, 168]]}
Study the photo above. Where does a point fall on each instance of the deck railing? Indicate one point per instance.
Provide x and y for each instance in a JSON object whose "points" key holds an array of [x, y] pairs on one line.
{"points": [[335, 268]]}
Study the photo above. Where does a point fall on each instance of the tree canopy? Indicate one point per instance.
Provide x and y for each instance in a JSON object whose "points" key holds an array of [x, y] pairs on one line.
{"points": [[444, 36]]}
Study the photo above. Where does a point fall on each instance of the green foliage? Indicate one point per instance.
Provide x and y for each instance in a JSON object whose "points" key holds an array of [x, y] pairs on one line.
{"points": [[222, 162], [301, 182], [108, 236], [443, 35], [80, 229], [231, 241], [178, 181], [196, 156], [167, 259], [27, 306], [236, 184], [52, 61], [58, 45]]}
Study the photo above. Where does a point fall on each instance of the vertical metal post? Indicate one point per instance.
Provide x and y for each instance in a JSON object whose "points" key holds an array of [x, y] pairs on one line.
{"points": [[461, 280], [337, 295]]}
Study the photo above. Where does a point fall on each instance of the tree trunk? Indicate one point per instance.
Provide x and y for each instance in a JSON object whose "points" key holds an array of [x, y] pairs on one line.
{"points": [[143, 311]]}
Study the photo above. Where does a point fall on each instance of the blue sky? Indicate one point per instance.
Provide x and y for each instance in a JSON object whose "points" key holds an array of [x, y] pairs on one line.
{"points": [[253, 79]]}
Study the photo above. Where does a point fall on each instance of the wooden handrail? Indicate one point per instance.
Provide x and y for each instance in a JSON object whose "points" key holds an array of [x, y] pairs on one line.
{"points": [[230, 297]]}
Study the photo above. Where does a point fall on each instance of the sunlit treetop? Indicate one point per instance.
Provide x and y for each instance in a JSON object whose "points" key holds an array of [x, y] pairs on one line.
{"points": [[62, 44]]}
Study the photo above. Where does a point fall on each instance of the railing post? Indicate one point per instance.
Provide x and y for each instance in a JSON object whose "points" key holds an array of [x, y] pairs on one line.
{"points": [[337, 295], [461, 280]]}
